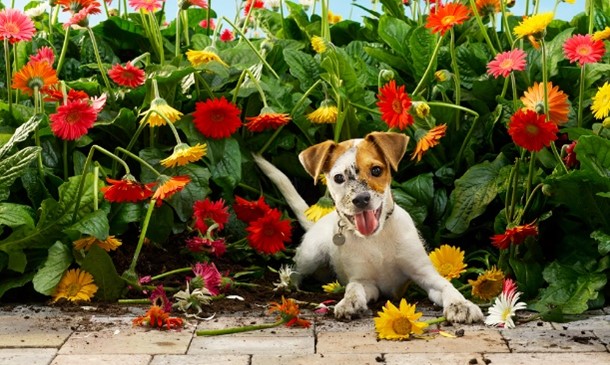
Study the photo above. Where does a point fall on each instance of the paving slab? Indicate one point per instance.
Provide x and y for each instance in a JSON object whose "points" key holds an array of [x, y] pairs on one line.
{"points": [[473, 341], [318, 359], [548, 358], [249, 345], [200, 360], [98, 359], [527, 340], [434, 359], [35, 331], [128, 340], [38, 356]]}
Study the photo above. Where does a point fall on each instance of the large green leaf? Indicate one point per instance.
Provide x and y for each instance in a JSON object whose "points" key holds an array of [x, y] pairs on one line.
{"points": [[302, 66], [14, 166], [394, 33], [421, 43], [59, 259], [227, 171], [15, 215], [93, 224], [473, 192], [603, 240], [554, 50], [100, 265], [21, 133], [593, 153]]}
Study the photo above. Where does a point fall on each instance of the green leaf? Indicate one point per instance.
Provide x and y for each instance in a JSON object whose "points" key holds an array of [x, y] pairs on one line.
{"points": [[528, 274], [15, 215], [99, 264], [302, 66], [14, 166], [421, 43], [49, 275], [594, 154], [595, 71], [554, 50], [197, 189], [385, 56], [421, 188], [16, 282], [603, 241], [21, 133], [93, 224], [227, 170], [394, 32], [473, 192], [393, 8]]}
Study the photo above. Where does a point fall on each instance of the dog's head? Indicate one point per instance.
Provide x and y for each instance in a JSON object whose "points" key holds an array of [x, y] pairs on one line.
{"points": [[358, 174]]}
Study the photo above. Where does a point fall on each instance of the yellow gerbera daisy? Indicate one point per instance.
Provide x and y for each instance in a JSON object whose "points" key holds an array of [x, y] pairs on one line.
{"points": [[448, 261], [398, 323], [488, 285], [601, 102], [197, 58], [601, 35], [534, 25], [318, 44], [76, 285], [334, 18], [334, 287], [320, 209], [111, 243], [326, 113], [160, 106], [184, 154]]}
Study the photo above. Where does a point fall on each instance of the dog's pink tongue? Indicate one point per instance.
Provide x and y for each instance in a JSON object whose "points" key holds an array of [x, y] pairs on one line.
{"points": [[366, 222]]}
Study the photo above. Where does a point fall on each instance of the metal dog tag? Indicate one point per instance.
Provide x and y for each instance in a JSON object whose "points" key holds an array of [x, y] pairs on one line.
{"points": [[339, 239]]}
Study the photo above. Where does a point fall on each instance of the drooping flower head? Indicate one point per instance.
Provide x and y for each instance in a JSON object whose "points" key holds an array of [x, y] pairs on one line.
{"points": [[445, 17], [602, 35], [159, 108], [74, 6], [267, 119], [583, 49], [428, 141], [202, 57], [207, 212], [207, 276], [248, 211], [44, 53], [128, 75], [76, 285], [559, 108], [488, 284], [289, 312], [515, 236], [128, 189], [184, 154], [531, 131], [81, 18], [157, 318], [448, 261], [199, 244], [34, 75], [400, 323], [73, 120], [324, 206], [15, 26], [506, 62], [269, 233], [216, 118], [327, 113], [533, 26], [169, 186], [111, 243], [146, 5], [188, 3], [394, 104], [505, 306], [601, 102], [488, 7]]}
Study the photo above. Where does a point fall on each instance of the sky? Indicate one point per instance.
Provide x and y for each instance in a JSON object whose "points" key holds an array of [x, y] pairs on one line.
{"points": [[229, 8]]}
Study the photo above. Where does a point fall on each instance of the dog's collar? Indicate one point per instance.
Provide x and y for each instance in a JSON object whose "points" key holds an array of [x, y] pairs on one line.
{"points": [[339, 237]]}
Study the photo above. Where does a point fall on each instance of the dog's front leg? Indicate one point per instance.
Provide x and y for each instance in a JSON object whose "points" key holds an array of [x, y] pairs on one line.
{"points": [[354, 302]]}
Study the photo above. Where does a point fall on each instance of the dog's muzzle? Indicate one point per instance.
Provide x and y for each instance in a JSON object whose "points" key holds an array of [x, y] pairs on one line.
{"points": [[365, 220]]}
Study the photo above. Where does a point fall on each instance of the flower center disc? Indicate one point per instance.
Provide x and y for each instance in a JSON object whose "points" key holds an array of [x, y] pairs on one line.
{"points": [[397, 106], [401, 326], [72, 290], [448, 20], [506, 64]]}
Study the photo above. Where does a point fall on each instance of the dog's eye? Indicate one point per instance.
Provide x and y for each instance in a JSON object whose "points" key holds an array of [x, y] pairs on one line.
{"points": [[339, 179], [376, 171]]}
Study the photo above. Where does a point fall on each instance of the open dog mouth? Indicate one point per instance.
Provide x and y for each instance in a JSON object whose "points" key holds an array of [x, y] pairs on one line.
{"points": [[366, 221]]}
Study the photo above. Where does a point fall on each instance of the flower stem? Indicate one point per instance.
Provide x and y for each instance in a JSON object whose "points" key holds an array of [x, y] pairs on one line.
{"points": [[99, 60], [134, 301], [65, 159], [131, 272], [436, 320], [477, 16], [231, 330], [7, 61], [172, 272], [424, 78], [456, 77], [177, 46], [64, 50], [140, 160], [581, 93]]}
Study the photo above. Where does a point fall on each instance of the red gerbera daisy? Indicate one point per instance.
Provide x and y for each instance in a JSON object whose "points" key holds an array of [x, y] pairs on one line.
{"points": [[446, 16], [169, 186], [531, 131], [269, 233], [249, 211], [515, 236], [201, 244], [583, 49], [505, 63], [204, 24], [227, 36], [216, 118], [44, 54], [15, 26], [207, 212], [394, 104], [267, 120], [126, 190], [53, 93], [73, 119], [256, 4], [207, 276], [128, 75]]}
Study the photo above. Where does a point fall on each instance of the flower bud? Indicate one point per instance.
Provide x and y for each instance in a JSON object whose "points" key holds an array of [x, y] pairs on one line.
{"points": [[386, 75]]}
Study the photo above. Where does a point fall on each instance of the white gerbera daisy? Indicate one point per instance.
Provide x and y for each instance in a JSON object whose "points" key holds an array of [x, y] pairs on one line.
{"points": [[504, 308]]}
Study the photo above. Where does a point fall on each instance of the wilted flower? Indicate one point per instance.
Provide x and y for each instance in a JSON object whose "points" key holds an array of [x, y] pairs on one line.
{"points": [[286, 272]]}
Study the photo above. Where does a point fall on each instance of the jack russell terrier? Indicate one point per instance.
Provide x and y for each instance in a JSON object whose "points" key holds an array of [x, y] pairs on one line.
{"points": [[370, 242]]}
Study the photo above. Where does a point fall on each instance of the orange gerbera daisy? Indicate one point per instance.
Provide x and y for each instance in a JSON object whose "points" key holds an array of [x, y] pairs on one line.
{"points": [[428, 141], [74, 6], [395, 104], [447, 16], [488, 7], [128, 189], [267, 120], [289, 312], [34, 75], [559, 108], [156, 317], [169, 186]]}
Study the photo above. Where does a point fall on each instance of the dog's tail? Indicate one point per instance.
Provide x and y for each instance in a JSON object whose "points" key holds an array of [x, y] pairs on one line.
{"points": [[294, 200]]}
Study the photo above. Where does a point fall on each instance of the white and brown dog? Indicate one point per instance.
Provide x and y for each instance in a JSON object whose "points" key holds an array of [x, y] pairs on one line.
{"points": [[371, 243]]}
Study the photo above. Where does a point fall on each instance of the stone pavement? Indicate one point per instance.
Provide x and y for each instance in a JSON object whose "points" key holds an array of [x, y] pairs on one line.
{"points": [[47, 335]]}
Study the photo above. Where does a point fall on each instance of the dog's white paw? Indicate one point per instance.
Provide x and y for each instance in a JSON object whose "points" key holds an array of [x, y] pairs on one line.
{"points": [[463, 311], [352, 305]]}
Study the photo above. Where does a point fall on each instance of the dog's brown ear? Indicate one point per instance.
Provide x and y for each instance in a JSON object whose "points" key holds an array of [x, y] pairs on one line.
{"points": [[316, 159], [392, 145]]}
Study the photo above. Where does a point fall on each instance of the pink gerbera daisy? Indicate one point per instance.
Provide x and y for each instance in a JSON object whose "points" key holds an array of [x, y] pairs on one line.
{"points": [[15, 26], [73, 119], [204, 24], [148, 5], [583, 49], [128, 75], [44, 54], [505, 63]]}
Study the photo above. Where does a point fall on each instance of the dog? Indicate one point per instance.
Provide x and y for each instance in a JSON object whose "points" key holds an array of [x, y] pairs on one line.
{"points": [[370, 242]]}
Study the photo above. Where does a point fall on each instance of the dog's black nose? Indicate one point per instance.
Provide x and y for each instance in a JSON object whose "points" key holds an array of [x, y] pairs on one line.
{"points": [[362, 200]]}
